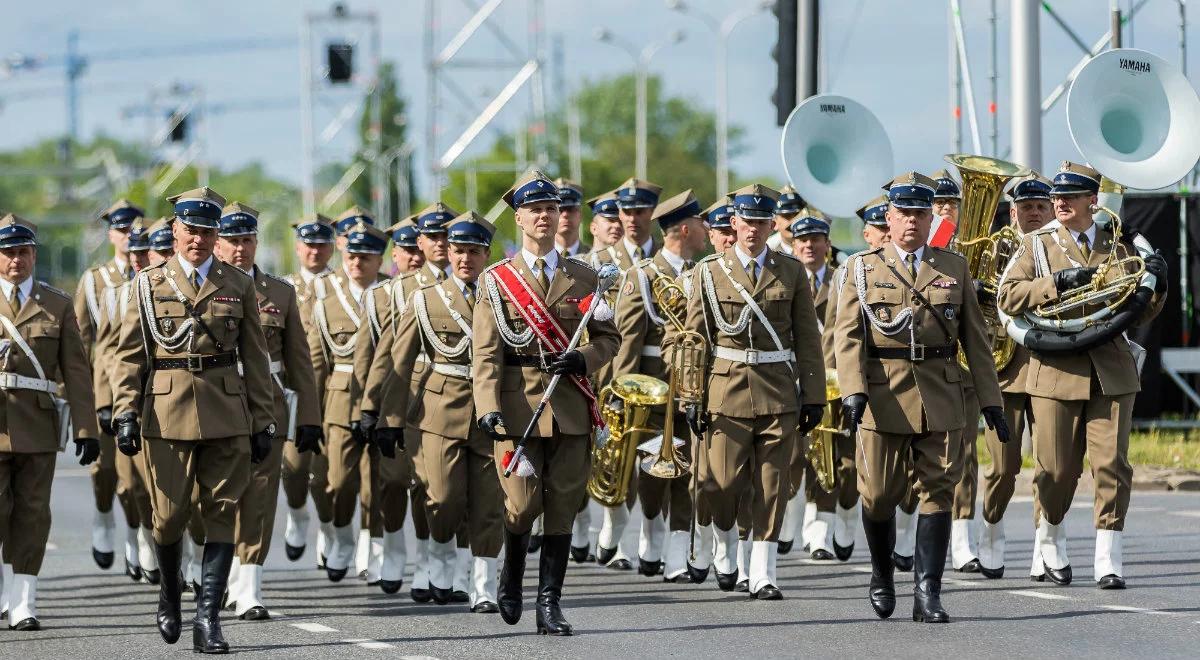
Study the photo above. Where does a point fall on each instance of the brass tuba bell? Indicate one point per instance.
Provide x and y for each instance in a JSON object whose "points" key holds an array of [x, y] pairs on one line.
{"points": [[626, 405], [819, 452]]}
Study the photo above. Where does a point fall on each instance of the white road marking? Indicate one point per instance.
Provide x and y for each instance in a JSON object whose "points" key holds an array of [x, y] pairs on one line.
{"points": [[1189, 514], [313, 627], [1138, 610], [1146, 509], [368, 643], [959, 583], [1082, 505], [1038, 594], [51, 545]]}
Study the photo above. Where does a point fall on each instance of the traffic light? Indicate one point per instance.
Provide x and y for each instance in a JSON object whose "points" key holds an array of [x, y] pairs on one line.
{"points": [[340, 59], [784, 98]]}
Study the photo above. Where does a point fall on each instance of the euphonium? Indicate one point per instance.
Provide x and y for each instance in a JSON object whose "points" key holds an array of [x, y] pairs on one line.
{"points": [[626, 405], [819, 452], [987, 254]]}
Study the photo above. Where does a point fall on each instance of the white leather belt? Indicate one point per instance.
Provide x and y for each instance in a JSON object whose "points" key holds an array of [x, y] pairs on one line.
{"points": [[447, 369], [276, 367], [344, 367], [752, 356], [11, 381], [652, 351]]}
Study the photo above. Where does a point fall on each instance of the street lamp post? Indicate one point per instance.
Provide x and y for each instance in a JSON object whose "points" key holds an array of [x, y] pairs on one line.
{"points": [[641, 61], [722, 29]]}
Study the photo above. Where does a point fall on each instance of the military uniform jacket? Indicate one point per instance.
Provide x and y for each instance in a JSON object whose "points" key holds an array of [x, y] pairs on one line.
{"points": [[438, 324], [287, 345], [379, 380], [96, 310], [304, 294], [828, 313], [28, 419], [514, 390], [904, 396], [617, 254], [640, 322], [178, 404], [332, 337], [737, 389], [1068, 376]]}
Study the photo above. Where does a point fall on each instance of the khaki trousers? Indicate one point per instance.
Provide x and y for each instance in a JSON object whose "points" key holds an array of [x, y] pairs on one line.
{"points": [[104, 478], [217, 471], [370, 515], [670, 496], [968, 484], [256, 510], [461, 486], [132, 479], [1000, 478], [412, 445], [25, 508], [884, 461], [749, 458], [1062, 432], [563, 465], [395, 482], [703, 513], [345, 471]]}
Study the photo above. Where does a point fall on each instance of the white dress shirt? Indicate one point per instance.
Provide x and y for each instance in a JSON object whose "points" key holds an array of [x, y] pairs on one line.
{"points": [[675, 260], [462, 286], [647, 247], [1090, 232], [202, 268], [26, 288], [551, 259], [761, 259]]}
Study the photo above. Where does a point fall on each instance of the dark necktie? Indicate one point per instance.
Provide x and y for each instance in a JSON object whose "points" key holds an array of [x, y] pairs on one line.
{"points": [[753, 271], [539, 274], [1085, 247], [911, 260]]}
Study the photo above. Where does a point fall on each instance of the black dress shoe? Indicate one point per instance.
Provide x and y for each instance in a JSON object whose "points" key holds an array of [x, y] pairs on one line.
{"points": [[151, 576], [902, 563], [970, 567], [457, 596], [769, 592], [170, 591], [512, 572], [485, 607], [336, 574], [1059, 576], [696, 575], [390, 586], [743, 587], [580, 555], [881, 540], [1112, 581], [726, 581], [441, 596], [420, 595], [535, 543], [27, 624], [256, 613], [133, 572], [821, 554], [552, 570], [843, 553], [785, 547], [649, 568], [1037, 578], [621, 565], [294, 553], [206, 627], [605, 555], [991, 573], [929, 561], [103, 559]]}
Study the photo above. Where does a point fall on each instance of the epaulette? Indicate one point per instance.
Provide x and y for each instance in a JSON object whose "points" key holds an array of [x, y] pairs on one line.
{"points": [[279, 278], [54, 289], [231, 267], [380, 283], [581, 262], [711, 257], [497, 264], [950, 252], [781, 253]]}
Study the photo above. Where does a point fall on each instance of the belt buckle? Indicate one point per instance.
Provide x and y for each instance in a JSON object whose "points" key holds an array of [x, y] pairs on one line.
{"points": [[8, 381], [916, 352], [195, 363], [752, 356]]}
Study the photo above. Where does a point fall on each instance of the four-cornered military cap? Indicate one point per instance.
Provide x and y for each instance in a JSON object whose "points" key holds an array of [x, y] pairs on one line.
{"points": [[433, 218], [1031, 186], [1075, 179], [911, 190], [199, 208], [789, 202], [677, 209], [121, 214], [16, 231], [947, 187], [717, 216], [139, 236], [532, 188], [604, 204], [809, 222], [314, 229], [470, 228], [238, 219], [363, 238], [754, 202], [637, 194], [570, 194], [352, 216], [404, 233], [160, 236], [874, 212]]}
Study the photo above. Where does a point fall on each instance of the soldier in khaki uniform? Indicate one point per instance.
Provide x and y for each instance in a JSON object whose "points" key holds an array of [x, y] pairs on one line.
{"points": [[570, 217], [787, 208], [902, 313], [1081, 401], [455, 462], [338, 308], [177, 389], [511, 371], [94, 303], [296, 404], [305, 473], [766, 384], [605, 226], [42, 357]]}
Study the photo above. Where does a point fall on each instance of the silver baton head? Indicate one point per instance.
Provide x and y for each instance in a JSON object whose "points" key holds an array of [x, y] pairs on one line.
{"points": [[608, 274]]}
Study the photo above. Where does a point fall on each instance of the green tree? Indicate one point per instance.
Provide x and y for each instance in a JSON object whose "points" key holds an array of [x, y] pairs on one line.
{"points": [[394, 127]]}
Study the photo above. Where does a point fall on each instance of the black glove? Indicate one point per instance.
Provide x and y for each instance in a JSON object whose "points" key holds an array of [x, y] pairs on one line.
{"points": [[1073, 278], [87, 449], [260, 445], [388, 440], [488, 424], [696, 419], [356, 433], [309, 438], [104, 416], [993, 416], [986, 297], [1156, 265], [853, 408], [570, 363], [367, 422], [129, 434], [810, 416]]}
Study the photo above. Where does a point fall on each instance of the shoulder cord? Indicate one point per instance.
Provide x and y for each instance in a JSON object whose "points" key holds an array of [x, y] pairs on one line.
{"points": [[511, 337], [1066, 253], [89, 295], [422, 312], [710, 293], [399, 302], [186, 331], [349, 309], [902, 320], [110, 301], [338, 350], [373, 315], [647, 301]]}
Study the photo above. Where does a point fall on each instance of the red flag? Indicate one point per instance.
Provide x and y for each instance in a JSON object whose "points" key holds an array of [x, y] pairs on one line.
{"points": [[942, 231]]}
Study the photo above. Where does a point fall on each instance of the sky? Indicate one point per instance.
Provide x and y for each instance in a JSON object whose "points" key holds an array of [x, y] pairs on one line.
{"points": [[890, 55]]}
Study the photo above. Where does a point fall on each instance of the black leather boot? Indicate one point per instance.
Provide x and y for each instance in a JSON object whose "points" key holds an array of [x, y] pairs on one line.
{"points": [[933, 539], [170, 590], [508, 590], [551, 573], [881, 539], [206, 627]]}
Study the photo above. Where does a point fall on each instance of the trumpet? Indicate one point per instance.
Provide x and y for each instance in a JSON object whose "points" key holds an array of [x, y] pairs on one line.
{"points": [[685, 381]]}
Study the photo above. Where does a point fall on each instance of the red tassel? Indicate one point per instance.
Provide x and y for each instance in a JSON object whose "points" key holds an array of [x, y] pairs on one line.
{"points": [[586, 303]]}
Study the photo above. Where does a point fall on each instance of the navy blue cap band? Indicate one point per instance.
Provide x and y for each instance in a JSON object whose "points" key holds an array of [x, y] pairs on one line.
{"points": [[16, 235], [238, 224], [345, 224], [689, 210], [122, 218], [754, 207], [1070, 183], [606, 208], [314, 232], [911, 196], [636, 198], [162, 240], [470, 233], [364, 243], [405, 236], [434, 222], [1032, 189]]}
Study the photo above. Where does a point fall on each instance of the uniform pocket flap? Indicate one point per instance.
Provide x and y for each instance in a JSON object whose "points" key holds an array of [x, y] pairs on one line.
{"points": [[883, 296], [339, 380], [435, 383], [875, 372], [161, 382], [234, 384], [225, 309], [169, 308], [43, 330], [940, 296], [953, 373]]}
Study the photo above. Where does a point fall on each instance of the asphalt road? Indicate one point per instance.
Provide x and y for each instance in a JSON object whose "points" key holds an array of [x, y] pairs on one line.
{"points": [[88, 613]]}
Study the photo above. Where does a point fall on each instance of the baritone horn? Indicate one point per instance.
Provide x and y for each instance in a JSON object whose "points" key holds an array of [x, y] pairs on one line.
{"points": [[819, 452], [626, 405]]}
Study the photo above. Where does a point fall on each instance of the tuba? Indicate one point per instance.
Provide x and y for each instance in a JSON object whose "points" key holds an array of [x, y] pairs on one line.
{"points": [[819, 452], [628, 402], [986, 253]]}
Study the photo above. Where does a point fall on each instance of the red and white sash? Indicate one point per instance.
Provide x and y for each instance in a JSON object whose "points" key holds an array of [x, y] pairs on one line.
{"points": [[538, 317]]}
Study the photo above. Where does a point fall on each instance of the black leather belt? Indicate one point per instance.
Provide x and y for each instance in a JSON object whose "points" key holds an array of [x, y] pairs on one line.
{"points": [[196, 362], [514, 360], [914, 353]]}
